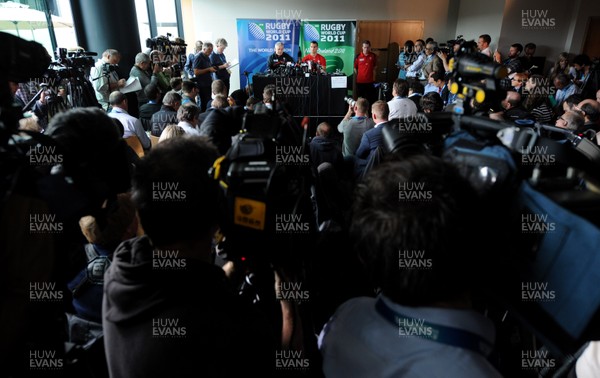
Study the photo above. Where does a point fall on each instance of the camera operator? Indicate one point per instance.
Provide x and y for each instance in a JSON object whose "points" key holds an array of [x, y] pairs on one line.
{"points": [[159, 58], [203, 70], [142, 71], [105, 78]]}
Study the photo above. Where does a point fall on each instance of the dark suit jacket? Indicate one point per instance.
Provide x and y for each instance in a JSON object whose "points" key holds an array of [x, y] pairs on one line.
{"points": [[165, 116], [148, 109], [417, 100], [370, 141], [204, 115]]}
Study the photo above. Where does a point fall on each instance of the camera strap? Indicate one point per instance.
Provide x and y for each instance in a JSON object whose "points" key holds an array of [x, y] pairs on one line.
{"points": [[435, 332]]}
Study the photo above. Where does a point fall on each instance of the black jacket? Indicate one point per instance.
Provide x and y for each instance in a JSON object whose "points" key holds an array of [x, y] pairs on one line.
{"points": [[276, 61], [221, 124], [165, 116]]}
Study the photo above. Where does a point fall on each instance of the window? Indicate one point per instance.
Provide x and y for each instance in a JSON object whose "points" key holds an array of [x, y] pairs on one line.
{"points": [[166, 17], [158, 17], [27, 19]]}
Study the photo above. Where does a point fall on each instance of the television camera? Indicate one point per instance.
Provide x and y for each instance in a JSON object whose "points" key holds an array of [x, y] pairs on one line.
{"points": [[529, 181], [78, 58], [168, 52], [66, 82], [448, 47], [474, 76]]}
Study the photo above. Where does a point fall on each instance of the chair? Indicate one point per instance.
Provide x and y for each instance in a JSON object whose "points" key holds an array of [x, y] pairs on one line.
{"points": [[154, 140], [135, 144]]}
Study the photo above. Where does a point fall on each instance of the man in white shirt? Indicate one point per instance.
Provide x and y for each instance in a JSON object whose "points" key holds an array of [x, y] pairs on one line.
{"points": [[104, 77], [400, 106], [483, 44], [414, 70], [132, 125]]}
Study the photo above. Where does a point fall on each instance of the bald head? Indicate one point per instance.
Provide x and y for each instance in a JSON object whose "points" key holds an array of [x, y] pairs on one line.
{"points": [[513, 99], [590, 109], [118, 100]]}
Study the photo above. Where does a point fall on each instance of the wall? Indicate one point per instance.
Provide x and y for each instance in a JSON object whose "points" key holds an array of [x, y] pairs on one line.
{"points": [[215, 19], [444, 19], [476, 17], [550, 39], [580, 21]]}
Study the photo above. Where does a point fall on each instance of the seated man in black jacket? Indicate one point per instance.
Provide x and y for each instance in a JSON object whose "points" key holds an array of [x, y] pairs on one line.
{"points": [[152, 106], [167, 310], [167, 114]]}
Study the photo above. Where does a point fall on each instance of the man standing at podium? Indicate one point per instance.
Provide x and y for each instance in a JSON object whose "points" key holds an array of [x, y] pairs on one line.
{"points": [[279, 58], [315, 57]]}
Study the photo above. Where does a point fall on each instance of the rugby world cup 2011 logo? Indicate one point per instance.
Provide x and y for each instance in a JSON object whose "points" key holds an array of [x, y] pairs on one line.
{"points": [[256, 31], [311, 33]]}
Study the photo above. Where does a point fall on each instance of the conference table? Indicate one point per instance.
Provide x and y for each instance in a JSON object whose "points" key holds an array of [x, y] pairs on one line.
{"points": [[313, 95]]}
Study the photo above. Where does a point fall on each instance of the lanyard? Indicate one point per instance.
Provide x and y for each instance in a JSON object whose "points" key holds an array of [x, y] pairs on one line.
{"points": [[435, 332]]}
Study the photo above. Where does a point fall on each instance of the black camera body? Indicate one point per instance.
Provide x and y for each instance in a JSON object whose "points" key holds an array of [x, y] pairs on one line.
{"points": [[265, 203], [75, 59], [108, 68], [165, 45]]}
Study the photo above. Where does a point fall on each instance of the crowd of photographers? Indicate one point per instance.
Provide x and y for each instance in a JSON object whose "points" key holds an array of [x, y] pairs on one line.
{"points": [[570, 87], [113, 251]]}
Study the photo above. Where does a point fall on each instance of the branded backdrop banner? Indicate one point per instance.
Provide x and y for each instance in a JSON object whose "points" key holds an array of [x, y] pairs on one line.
{"points": [[256, 42], [336, 42]]}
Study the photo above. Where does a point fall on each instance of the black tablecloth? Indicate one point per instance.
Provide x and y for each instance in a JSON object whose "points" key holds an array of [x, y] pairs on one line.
{"points": [[310, 96]]}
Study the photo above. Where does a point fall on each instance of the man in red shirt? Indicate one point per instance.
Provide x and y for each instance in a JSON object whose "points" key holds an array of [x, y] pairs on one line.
{"points": [[365, 65], [315, 57]]}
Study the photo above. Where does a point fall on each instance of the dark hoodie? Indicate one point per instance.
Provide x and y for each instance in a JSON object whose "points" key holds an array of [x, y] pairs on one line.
{"points": [[325, 150], [180, 321]]}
